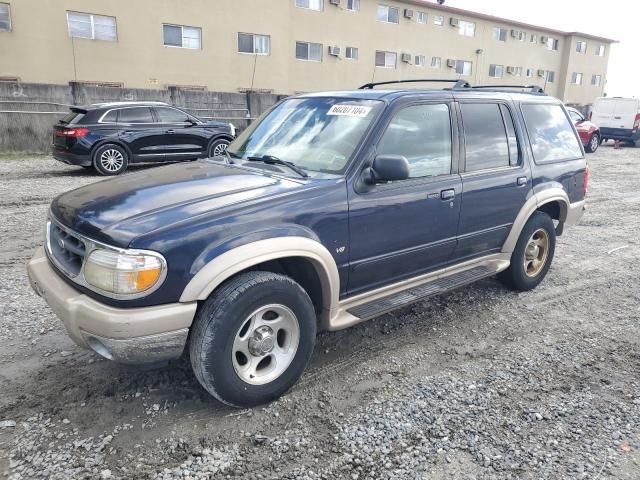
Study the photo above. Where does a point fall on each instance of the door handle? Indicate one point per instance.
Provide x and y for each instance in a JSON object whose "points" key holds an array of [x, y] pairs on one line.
{"points": [[170, 131], [522, 181], [449, 194]]}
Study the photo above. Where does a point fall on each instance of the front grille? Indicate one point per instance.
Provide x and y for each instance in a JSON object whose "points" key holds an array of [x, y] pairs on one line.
{"points": [[67, 250]]}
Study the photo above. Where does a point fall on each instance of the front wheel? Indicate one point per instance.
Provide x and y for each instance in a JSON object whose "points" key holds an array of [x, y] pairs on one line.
{"points": [[253, 338], [110, 159], [594, 143], [533, 254], [218, 147]]}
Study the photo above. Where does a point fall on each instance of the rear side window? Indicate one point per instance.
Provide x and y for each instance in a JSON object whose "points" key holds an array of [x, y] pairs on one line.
{"points": [[135, 115], [171, 115], [110, 117], [485, 136], [422, 134], [512, 138], [550, 132]]}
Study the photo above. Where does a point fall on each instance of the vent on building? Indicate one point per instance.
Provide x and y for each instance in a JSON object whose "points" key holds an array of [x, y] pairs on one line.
{"points": [[99, 84], [511, 70], [334, 2], [335, 51], [10, 79], [408, 13], [454, 22], [451, 63], [544, 39], [196, 88], [406, 57], [541, 73]]}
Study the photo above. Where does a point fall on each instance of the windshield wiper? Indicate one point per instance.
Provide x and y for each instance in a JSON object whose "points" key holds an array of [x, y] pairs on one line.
{"points": [[270, 159]]}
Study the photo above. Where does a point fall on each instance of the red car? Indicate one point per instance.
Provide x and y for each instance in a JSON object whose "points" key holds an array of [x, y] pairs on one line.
{"points": [[589, 132]]}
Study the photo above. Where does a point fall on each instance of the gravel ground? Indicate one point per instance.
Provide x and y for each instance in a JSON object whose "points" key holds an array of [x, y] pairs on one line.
{"points": [[482, 383]]}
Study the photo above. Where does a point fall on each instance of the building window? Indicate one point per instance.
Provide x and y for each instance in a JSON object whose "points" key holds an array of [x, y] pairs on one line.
{"points": [[311, 52], [496, 71], [553, 43], [436, 62], [464, 68], [182, 36], [600, 50], [388, 14], [422, 17], [533, 38], [353, 5], [5, 17], [466, 29], [517, 71], [251, 43], [596, 80], [420, 60], [500, 34], [310, 4], [386, 59], [520, 35], [529, 72], [438, 20], [351, 53], [576, 78], [581, 47], [95, 27], [550, 76]]}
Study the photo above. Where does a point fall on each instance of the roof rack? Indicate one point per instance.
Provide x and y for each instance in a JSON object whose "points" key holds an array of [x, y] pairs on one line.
{"points": [[457, 83], [531, 88]]}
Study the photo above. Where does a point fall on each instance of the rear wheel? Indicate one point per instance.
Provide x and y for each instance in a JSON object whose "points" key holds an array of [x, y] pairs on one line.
{"points": [[594, 143], [253, 338], [533, 254], [110, 159]]}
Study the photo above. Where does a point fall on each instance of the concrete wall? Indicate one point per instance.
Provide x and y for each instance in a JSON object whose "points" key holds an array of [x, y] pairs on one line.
{"points": [[29, 111]]}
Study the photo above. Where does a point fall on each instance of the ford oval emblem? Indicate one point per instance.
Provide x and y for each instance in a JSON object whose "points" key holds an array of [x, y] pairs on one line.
{"points": [[61, 243]]}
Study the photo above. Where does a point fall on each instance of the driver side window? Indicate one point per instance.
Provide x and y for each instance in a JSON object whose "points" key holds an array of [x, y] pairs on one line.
{"points": [[421, 134]]}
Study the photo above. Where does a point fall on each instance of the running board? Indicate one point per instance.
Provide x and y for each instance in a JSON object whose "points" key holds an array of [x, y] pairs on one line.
{"points": [[422, 292]]}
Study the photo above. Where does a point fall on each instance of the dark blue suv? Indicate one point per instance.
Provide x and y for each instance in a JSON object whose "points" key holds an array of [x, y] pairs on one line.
{"points": [[330, 209]]}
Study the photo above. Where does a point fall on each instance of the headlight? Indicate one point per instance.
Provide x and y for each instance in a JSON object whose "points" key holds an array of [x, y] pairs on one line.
{"points": [[124, 273], [233, 129]]}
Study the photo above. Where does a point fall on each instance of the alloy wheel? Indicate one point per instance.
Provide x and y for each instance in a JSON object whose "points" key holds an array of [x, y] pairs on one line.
{"points": [[112, 160], [536, 252]]}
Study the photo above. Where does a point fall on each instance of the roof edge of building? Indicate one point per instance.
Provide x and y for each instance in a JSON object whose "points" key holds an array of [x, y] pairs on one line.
{"points": [[493, 18]]}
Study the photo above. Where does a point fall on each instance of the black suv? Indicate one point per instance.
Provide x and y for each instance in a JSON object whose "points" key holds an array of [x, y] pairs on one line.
{"points": [[330, 209], [110, 136]]}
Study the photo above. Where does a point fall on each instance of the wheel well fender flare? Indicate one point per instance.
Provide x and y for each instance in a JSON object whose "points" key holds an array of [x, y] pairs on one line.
{"points": [[107, 140], [543, 197], [241, 258]]}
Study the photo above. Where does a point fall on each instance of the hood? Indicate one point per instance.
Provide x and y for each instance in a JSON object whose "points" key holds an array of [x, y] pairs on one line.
{"points": [[117, 210]]}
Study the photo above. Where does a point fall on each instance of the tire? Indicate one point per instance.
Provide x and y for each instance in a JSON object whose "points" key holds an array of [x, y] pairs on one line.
{"points": [[110, 159], [217, 147], [516, 277], [226, 346], [593, 144]]}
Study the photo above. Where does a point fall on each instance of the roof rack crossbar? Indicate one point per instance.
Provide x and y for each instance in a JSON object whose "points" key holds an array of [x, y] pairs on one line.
{"points": [[531, 88], [458, 83]]}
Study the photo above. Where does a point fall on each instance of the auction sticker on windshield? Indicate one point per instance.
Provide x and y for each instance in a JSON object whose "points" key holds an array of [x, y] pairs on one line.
{"points": [[349, 110]]}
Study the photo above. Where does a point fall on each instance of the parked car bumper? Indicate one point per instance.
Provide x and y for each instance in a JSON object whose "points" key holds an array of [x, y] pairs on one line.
{"points": [[65, 156], [620, 134], [131, 335]]}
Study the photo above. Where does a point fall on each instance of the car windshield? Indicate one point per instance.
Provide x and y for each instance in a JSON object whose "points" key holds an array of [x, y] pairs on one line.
{"points": [[317, 134]]}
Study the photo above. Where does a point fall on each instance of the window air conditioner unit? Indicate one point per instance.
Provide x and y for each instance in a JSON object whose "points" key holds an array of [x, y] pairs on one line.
{"points": [[408, 13], [334, 2], [511, 70], [541, 73], [544, 39], [406, 57], [335, 51], [451, 63], [454, 22]]}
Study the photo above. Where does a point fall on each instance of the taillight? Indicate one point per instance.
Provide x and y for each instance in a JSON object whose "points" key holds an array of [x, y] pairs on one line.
{"points": [[636, 123], [72, 132], [586, 179]]}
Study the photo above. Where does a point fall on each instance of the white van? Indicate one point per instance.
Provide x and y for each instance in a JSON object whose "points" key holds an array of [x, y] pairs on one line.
{"points": [[618, 118]]}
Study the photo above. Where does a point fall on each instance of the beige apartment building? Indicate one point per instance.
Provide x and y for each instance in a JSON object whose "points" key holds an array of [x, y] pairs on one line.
{"points": [[288, 46]]}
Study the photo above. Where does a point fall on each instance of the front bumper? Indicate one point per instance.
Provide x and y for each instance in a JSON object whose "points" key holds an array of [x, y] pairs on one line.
{"points": [[125, 335]]}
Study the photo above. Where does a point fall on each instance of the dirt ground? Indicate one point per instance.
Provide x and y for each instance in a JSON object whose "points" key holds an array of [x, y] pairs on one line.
{"points": [[482, 383]]}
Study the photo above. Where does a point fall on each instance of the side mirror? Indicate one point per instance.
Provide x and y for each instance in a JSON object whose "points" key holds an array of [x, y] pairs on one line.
{"points": [[388, 168]]}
